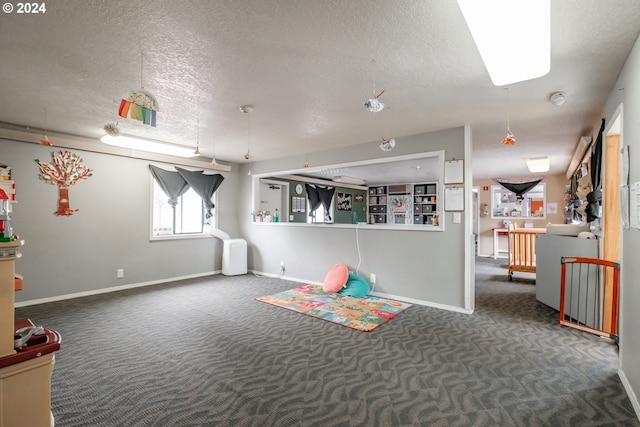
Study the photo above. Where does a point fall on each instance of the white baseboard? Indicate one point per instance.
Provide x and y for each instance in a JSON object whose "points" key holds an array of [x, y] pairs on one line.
{"points": [[277, 276], [376, 294], [632, 396], [422, 302], [111, 289]]}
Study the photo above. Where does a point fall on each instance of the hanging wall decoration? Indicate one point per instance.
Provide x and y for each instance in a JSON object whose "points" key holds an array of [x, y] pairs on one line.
{"points": [[65, 170], [140, 105], [509, 139], [387, 144]]}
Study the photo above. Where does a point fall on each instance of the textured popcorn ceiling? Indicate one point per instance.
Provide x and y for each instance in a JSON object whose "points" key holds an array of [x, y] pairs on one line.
{"points": [[307, 67]]}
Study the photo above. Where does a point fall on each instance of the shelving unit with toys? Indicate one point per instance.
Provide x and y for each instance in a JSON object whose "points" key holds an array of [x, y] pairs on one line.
{"points": [[26, 351]]}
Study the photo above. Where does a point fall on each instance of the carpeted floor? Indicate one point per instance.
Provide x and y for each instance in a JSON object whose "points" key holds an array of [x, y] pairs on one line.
{"points": [[205, 353]]}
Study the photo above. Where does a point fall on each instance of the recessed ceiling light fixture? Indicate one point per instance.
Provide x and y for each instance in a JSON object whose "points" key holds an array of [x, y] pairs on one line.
{"points": [[538, 164], [348, 180], [513, 37], [142, 144], [557, 98]]}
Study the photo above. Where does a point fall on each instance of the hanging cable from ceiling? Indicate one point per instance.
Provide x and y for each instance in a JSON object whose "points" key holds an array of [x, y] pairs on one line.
{"points": [[197, 151], [45, 139], [509, 139], [372, 104]]}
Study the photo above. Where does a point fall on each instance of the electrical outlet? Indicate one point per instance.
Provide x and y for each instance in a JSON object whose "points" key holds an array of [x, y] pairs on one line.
{"points": [[373, 278], [120, 273]]}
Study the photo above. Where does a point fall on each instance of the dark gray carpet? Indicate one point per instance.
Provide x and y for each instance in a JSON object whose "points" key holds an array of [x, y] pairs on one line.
{"points": [[204, 353]]}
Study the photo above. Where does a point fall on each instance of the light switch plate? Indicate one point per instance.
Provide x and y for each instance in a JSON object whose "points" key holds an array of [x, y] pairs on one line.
{"points": [[457, 217]]}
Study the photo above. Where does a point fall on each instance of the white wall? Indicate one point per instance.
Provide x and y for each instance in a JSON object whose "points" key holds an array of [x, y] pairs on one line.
{"points": [[81, 253], [627, 92], [423, 266]]}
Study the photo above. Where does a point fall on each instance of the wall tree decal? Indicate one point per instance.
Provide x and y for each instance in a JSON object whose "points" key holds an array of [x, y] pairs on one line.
{"points": [[65, 170]]}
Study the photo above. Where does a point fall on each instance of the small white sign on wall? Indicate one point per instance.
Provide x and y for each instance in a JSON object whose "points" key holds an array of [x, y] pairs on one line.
{"points": [[634, 205], [453, 199], [454, 172], [552, 208]]}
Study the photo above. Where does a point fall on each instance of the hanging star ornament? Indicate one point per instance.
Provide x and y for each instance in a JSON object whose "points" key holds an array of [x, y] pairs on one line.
{"points": [[509, 139], [45, 140], [388, 144], [112, 129], [373, 105]]}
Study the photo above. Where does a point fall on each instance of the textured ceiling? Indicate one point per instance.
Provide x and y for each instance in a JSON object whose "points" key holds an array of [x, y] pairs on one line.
{"points": [[307, 67]]}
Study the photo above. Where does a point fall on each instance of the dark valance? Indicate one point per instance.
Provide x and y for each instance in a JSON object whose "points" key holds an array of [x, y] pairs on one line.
{"points": [[171, 183], [203, 185], [314, 199], [175, 184], [519, 187], [320, 195]]}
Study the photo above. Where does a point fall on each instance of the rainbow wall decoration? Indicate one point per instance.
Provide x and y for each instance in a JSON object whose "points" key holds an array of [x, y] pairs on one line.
{"points": [[140, 105]]}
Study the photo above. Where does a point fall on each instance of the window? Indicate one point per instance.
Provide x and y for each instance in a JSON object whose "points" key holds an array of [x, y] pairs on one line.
{"points": [[187, 218], [505, 203], [320, 214]]}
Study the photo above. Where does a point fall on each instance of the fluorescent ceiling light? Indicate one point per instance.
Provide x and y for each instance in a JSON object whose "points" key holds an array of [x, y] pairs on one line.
{"points": [[513, 37], [538, 164], [135, 143], [348, 180]]}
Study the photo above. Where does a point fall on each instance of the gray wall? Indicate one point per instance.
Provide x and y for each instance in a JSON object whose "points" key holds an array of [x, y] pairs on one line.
{"points": [[81, 253], [425, 266], [627, 92]]}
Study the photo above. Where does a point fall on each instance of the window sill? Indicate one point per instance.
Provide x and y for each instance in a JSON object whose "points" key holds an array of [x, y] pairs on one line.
{"points": [[179, 237], [361, 226]]}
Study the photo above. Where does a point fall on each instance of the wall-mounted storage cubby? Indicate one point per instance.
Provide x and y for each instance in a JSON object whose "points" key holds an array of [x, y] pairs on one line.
{"points": [[404, 204], [425, 203], [378, 205]]}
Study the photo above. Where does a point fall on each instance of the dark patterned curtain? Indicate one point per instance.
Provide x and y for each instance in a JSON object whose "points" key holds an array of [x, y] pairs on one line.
{"points": [[520, 187]]}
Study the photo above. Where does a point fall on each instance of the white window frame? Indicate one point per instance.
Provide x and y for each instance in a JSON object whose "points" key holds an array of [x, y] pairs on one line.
{"points": [[206, 228]]}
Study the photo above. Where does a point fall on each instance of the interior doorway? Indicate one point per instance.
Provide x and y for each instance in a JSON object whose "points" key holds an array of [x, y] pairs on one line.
{"points": [[274, 197]]}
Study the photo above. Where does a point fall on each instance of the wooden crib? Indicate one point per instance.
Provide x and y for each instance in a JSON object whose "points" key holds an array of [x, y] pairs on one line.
{"points": [[522, 249]]}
